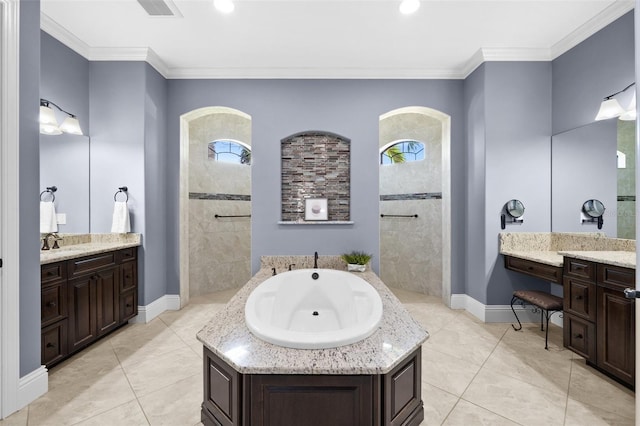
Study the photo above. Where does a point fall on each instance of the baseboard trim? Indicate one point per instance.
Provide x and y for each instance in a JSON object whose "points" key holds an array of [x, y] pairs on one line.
{"points": [[168, 302], [32, 386], [498, 313]]}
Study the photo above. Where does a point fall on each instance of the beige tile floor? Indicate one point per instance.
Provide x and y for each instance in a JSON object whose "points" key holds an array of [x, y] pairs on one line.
{"points": [[472, 374]]}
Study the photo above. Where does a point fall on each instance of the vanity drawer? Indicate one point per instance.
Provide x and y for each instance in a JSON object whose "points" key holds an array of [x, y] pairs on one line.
{"points": [[580, 269], [128, 305], [616, 277], [128, 276], [52, 272], [53, 303], [580, 336], [535, 269], [580, 298], [91, 263], [54, 343], [127, 255]]}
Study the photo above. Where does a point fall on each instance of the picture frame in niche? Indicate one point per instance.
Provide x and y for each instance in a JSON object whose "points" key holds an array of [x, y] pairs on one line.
{"points": [[315, 209]]}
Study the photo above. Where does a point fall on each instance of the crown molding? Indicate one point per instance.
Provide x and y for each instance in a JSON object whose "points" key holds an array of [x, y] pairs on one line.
{"points": [[311, 73], [592, 26], [145, 54], [504, 54], [64, 36]]}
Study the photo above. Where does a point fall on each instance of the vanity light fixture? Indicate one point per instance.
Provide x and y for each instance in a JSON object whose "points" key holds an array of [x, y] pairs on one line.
{"points": [[49, 124], [224, 6], [407, 7], [610, 107]]}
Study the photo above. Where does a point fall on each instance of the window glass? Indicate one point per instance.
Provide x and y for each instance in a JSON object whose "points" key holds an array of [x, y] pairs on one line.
{"points": [[403, 152], [229, 151]]}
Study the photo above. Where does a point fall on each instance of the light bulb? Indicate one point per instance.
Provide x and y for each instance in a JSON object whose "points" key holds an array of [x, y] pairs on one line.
{"points": [[408, 7], [224, 6]]}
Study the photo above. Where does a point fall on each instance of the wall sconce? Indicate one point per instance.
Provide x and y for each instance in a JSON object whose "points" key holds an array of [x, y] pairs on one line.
{"points": [[610, 107], [593, 210], [513, 209], [49, 124]]}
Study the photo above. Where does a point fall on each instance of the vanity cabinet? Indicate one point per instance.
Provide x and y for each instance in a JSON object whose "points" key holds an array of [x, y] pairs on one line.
{"points": [[83, 299], [599, 322]]}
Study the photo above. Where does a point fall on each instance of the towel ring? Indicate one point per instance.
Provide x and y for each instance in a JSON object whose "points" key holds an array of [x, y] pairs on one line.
{"points": [[124, 190], [49, 190]]}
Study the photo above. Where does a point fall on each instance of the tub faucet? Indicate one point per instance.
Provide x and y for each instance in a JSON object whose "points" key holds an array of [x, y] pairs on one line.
{"points": [[315, 260]]}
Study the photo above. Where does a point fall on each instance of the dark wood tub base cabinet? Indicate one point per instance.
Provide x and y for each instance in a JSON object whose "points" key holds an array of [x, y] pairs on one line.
{"points": [[231, 398]]}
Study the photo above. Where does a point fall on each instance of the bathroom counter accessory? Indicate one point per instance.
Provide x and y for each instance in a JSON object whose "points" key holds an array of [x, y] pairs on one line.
{"points": [[228, 337], [79, 245]]}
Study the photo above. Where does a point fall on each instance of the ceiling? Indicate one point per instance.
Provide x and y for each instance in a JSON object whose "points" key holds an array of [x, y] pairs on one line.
{"points": [[326, 38]]}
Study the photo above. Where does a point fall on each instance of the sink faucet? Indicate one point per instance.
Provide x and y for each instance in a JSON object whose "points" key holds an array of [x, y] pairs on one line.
{"points": [[315, 260], [45, 244]]}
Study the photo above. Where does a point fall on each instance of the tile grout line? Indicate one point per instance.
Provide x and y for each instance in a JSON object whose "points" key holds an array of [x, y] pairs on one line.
{"points": [[135, 395], [566, 403]]}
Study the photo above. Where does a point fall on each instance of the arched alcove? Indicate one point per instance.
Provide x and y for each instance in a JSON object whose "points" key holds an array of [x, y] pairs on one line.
{"points": [[415, 251], [215, 203]]}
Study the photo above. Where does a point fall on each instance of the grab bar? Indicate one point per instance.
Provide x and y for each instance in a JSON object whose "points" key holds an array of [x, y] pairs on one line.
{"points": [[239, 215], [398, 215]]}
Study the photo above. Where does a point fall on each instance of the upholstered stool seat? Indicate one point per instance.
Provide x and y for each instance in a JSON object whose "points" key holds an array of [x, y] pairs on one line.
{"points": [[546, 302]]}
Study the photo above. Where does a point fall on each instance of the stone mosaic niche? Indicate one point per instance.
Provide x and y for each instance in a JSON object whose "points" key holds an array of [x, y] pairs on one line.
{"points": [[315, 164]]}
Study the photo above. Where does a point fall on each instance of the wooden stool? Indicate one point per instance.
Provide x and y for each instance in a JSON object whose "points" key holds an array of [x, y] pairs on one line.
{"points": [[546, 302]]}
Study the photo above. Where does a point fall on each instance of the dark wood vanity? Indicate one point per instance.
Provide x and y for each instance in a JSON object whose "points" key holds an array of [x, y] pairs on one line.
{"points": [[231, 398], [599, 322], [84, 299]]}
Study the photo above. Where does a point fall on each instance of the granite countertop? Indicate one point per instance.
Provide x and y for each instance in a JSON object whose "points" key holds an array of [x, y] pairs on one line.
{"points": [[398, 335], [625, 259], [75, 246], [550, 247], [552, 258]]}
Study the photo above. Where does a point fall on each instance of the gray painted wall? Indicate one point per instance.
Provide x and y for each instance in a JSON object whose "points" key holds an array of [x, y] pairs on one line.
{"points": [[28, 187], [154, 261], [64, 79], [279, 108], [518, 152], [508, 131]]}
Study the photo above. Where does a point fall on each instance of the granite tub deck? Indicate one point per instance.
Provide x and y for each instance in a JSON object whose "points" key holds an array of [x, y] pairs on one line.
{"points": [[549, 248], [228, 337], [74, 246]]}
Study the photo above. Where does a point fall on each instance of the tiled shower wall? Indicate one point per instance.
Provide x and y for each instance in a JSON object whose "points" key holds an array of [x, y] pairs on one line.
{"points": [[627, 181], [315, 165], [411, 247], [219, 248]]}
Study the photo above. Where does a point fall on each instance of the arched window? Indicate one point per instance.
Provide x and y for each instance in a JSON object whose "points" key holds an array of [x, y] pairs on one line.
{"points": [[229, 151], [402, 152]]}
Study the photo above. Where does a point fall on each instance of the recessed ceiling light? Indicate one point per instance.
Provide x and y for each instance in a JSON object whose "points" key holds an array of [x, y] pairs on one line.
{"points": [[409, 6], [224, 6]]}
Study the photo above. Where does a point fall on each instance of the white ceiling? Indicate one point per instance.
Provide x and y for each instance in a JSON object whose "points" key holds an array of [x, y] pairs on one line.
{"points": [[327, 38]]}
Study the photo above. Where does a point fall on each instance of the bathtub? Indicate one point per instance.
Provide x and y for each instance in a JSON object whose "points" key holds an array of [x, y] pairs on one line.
{"points": [[313, 309]]}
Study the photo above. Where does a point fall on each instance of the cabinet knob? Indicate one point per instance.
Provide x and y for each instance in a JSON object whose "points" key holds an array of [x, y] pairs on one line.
{"points": [[127, 276], [128, 305], [49, 273], [578, 336], [51, 345], [579, 297], [51, 304]]}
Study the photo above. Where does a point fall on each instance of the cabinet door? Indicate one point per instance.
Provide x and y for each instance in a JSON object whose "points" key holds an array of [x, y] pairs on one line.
{"points": [[54, 343], [82, 312], [107, 284], [616, 334], [580, 336]]}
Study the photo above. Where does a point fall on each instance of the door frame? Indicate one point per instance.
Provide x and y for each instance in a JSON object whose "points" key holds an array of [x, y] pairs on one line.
{"points": [[9, 214]]}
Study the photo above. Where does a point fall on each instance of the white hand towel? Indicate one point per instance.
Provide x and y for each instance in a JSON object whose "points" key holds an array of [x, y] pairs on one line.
{"points": [[120, 224], [48, 220]]}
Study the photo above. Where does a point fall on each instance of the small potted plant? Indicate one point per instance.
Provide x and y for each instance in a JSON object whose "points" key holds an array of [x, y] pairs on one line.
{"points": [[356, 260]]}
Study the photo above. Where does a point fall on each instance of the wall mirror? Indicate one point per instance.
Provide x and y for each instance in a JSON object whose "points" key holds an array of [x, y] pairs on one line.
{"points": [[64, 163], [594, 162]]}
